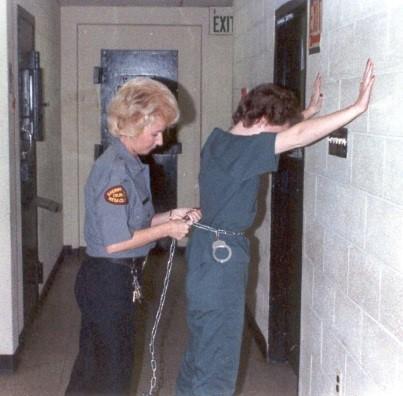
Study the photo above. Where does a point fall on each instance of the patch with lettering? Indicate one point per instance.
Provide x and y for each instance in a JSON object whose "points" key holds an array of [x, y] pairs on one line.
{"points": [[116, 195]]}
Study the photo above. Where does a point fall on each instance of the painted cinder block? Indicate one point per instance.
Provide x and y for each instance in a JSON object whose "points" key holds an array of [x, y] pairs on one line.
{"points": [[339, 168], [305, 373], [391, 301], [341, 42], [395, 37], [309, 196], [393, 171], [380, 354], [333, 358], [385, 109], [323, 297], [307, 283], [357, 382], [335, 259], [367, 163], [315, 157], [313, 243], [364, 276], [255, 11], [384, 233], [342, 209], [348, 323], [321, 384], [370, 37], [311, 344]]}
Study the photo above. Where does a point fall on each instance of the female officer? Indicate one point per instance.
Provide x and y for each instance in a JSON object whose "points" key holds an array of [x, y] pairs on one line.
{"points": [[218, 252], [120, 229]]}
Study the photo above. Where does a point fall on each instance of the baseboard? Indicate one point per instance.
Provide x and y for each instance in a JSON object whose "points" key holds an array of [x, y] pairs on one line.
{"points": [[257, 334], [70, 251], [9, 363], [51, 277]]}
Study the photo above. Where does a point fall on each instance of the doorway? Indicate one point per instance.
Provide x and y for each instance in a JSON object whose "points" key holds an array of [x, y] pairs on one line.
{"points": [[287, 196]]}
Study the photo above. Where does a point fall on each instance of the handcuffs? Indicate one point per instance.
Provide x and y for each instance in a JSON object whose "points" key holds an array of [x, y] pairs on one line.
{"points": [[220, 244]]}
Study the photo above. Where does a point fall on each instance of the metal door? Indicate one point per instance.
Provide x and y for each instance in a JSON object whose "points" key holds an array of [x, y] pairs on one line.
{"points": [[287, 196], [30, 122]]}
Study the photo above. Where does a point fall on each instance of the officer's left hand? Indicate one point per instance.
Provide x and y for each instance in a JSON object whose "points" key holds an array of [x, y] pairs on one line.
{"points": [[190, 215]]}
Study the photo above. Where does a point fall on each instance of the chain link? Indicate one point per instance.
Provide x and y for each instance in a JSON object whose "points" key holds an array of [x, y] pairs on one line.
{"points": [[153, 361], [217, 231]]}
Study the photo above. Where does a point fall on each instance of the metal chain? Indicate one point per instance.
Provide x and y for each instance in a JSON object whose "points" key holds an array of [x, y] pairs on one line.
{"points": [[217, 231], [153, 361]]}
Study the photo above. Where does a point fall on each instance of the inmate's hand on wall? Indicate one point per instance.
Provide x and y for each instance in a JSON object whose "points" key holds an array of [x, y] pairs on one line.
{"points": [[316, 101], [311, 130], [365, 90]]}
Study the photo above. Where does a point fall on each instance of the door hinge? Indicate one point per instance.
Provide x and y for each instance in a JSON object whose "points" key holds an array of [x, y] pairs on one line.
{"points": [[99, 75]]}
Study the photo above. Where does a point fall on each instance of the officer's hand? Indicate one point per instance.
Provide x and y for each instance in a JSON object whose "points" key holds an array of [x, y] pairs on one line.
{"points": [[178, 229], [193, 216], [190, 215]]}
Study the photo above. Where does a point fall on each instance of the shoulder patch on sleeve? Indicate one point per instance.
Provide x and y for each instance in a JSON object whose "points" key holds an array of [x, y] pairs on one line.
{"points": [[116, 195]]}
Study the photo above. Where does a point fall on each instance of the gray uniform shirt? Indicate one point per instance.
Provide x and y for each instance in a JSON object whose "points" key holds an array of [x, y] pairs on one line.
{"points": [[117, 202]]}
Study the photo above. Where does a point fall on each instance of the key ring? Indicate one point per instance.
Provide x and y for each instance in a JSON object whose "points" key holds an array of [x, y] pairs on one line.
{"points": [[220, 244]]}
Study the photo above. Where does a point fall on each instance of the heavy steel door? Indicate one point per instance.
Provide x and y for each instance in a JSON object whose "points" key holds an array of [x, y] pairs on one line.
{"points": [[287, 197], [30, 131]]}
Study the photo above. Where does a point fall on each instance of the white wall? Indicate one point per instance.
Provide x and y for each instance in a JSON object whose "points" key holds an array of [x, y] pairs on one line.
{"points": [[205, 71], [352, 317], [8, 298], [47, 41]]}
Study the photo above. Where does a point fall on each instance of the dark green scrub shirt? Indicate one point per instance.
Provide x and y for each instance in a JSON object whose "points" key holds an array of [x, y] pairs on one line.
{"points": [[231, 166]]}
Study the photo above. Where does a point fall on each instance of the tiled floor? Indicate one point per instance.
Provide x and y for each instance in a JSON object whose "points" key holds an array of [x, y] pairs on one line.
{"points": [[51, 345]]}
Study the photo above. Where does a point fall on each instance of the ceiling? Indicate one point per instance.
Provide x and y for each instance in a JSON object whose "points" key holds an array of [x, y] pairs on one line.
{"points": [[149, 3]]}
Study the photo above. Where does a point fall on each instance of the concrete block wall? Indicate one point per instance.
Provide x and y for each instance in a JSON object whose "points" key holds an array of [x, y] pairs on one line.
{"points": [[352, 316]]}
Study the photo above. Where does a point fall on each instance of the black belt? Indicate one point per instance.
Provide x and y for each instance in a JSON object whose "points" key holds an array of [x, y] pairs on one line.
{"points": [[131, 262]]}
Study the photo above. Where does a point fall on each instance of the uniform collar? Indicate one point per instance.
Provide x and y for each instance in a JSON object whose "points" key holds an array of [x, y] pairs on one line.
{"points": [[134, 162]]}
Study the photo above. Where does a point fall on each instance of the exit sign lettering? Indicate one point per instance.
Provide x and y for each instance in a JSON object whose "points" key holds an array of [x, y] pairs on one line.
{"points": [[221, 20]]}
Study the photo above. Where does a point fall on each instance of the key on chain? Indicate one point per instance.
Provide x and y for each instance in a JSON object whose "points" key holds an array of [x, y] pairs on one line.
{"points": [[137, 295]]}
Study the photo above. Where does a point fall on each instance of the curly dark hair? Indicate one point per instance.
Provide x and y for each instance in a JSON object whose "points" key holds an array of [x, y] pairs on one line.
{"points": [[277, 104]]}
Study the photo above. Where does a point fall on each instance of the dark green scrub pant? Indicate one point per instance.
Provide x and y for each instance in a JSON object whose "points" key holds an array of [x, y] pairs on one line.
{"points": [[215, 316]]}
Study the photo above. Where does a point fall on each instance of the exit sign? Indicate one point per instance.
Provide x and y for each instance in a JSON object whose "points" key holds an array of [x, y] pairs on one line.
{"points": [[221, 20]]}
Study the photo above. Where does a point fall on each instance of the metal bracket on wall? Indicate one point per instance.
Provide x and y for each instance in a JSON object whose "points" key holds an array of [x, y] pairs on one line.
{"points": [[99, 75], [338, 143]]}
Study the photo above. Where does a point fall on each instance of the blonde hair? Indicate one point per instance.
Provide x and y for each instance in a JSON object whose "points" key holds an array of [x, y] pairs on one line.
{"points": [[138, 103]]}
